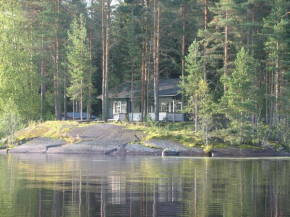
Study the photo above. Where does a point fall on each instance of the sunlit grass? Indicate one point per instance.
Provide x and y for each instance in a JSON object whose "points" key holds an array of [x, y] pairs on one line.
{"points": [[179, 132], [183, 132], [51, 129]]}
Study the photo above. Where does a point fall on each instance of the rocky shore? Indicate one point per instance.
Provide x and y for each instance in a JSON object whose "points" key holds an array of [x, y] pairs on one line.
{"points": [[116, 140]]}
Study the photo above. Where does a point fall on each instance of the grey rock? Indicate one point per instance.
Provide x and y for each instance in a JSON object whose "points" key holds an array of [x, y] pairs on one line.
{"points": [[170, 152], [38, 145]]}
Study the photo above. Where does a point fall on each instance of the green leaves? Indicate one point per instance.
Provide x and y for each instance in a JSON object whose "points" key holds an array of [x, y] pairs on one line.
{"points": [[18, 78]]}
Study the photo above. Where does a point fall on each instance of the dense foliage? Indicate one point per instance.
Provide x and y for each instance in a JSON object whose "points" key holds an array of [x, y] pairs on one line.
{"points": [[232, 55]]}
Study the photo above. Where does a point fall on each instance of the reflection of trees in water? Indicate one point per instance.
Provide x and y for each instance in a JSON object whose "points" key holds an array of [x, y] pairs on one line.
{"points": [[143, 187]]}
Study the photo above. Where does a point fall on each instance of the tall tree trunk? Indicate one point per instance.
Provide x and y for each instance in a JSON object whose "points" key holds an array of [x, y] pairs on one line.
{"points": [[148, 77], [81, 101], [56, 71], [108, 30], [147, 64], [195, 115], [132, 93], [226, 50], [143, 81], [205, 47], [89, 104], [146, 99], [183, 12], [266, 95], [156, 59], [43, 77], [74, 109], [277, 86], [64, 97], [205, 14], [104, 103]]}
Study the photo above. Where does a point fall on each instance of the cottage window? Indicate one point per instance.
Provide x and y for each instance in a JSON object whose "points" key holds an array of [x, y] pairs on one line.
{"points": [[164, 107], [117, 107], [178, 107]]}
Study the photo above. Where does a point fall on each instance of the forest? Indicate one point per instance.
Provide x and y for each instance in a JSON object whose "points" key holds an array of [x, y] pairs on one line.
{"points": [[57, 56]]}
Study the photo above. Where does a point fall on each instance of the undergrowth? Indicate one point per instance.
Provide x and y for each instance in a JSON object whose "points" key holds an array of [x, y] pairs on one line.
{"points": [[182, 132]]}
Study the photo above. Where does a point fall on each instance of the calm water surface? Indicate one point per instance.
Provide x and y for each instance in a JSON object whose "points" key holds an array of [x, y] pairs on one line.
{"points": [[88, 185]]}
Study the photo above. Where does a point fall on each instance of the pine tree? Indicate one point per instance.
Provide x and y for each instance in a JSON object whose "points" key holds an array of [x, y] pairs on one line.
{"points": [[240, 98], [196, 89], [277, 48], [190, 82], [78, 56]]}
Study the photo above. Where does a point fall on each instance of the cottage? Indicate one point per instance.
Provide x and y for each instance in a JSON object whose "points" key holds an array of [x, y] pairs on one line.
{"points": [[170, 105]]}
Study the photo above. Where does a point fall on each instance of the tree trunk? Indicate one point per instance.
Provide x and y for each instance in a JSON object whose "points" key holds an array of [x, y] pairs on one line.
{"points": [[81, 101], [205, 47], [56, 71], [147, 65], [74, 110], [205, 14], [266, 95], [64, 97], [43, 77], [148, 78], [206, 134], [89, 104], [108, 29], [132, 93], [226, 54], [183, 12], [104, 103], [156, 61], [226, 50], [277, 87], [143, 84], [195, 115]]}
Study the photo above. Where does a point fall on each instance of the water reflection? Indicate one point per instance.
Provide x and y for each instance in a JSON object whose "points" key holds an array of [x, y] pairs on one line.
{"points": [[87, 185]]}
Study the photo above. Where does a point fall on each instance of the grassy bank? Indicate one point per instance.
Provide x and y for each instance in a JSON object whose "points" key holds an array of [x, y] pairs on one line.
{"points": [[49, 129], [183, 132]]}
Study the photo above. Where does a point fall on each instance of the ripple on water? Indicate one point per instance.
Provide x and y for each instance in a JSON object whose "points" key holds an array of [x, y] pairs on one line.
{"points": [[87, 185]]}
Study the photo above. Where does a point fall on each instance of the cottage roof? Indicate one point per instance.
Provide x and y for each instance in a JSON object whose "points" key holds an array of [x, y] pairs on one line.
{"points": [[167, 87]]}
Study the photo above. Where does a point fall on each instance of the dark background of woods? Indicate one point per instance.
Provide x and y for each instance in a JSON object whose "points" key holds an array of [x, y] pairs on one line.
{"points": [[148, 40]]}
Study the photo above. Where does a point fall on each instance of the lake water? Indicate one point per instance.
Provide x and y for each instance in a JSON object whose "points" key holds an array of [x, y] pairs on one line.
{"points": [[89, 185]]}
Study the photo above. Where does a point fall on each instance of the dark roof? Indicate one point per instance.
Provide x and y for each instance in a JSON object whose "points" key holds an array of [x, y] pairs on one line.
{"points": [[77, 115], [167, 87]]}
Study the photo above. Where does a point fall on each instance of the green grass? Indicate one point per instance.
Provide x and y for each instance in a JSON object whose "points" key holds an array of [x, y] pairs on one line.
{"points": [[51, 129], [183, 133], [180, 132]]}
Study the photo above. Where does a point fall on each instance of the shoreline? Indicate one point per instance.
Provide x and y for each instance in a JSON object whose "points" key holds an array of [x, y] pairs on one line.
{"points": [[134, 150], [217, 154], [116, 140]]}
